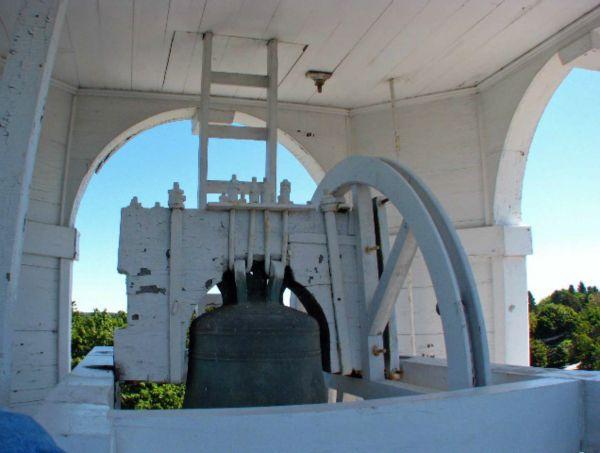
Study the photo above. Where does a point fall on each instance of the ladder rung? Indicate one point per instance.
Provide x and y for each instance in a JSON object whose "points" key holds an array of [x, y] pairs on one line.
{"points": [[237, 132], [242, 80], [216, 186]]}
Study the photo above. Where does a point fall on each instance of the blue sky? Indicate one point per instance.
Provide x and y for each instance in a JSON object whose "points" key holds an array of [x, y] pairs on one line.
{"points": [[560, 200], [561, 194], [146, 167]]}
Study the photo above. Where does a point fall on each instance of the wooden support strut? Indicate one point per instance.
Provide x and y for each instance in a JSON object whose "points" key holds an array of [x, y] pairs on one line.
{"points": [[329, 205], [372, 364], [23, 90], [392, 279], [392, 356]]}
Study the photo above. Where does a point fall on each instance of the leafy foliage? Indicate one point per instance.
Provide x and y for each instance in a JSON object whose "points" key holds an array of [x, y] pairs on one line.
{"points": [[148, 395], [93, 329], [97, 329], [565, 328]]}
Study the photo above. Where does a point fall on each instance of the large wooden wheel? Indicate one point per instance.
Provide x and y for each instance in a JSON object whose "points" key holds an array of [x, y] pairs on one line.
{"points": [[427, 226]]}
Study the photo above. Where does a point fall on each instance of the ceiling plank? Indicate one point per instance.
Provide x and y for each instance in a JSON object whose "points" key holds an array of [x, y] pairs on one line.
{"points": [[356, 70], [290, 19], [218, 15], [185, 15], [331, 34], [517, 38], [84, 25], [151, 44], [180, 58], [65, 66], [406, 40], [252, 18], [116, 36]]}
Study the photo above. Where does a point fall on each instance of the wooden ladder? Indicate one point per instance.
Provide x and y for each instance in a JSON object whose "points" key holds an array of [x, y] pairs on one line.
{"points": [[207, 130]]}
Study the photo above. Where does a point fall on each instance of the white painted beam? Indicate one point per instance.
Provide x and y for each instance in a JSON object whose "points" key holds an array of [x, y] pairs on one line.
{"points": [[329, 205], [23, 91], [392, 361], [50, 240], [271, 160], [176, 268], [366, 251], [215, 116], [216, 186], [237, 133], [204, 116], [242, 80]]}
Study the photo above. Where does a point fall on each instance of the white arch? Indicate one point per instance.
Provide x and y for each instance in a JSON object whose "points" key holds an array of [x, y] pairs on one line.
{"points": [[314, 169], [582, 53]]}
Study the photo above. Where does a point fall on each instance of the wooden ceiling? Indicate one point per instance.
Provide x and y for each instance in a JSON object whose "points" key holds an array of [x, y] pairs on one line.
{"points": [[427, 46]]}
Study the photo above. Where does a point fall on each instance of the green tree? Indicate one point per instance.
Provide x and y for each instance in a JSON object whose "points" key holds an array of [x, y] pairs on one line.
{"points": [[93, 329], [530, 301], [565, 329], [587, 352], [97, 329], [560, 355], [538, 353], [148, 395], [555, 322]]}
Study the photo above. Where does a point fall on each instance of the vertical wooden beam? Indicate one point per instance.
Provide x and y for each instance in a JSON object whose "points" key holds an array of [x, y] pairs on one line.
{"points": [[65, 281], [392, 357], [204, 117], [176, 334], [329, 207], [23, 91], [271, 159], [366, 257]]}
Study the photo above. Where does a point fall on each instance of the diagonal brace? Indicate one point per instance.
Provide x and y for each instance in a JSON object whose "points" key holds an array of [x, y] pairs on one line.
{"points": [[392, 279]]}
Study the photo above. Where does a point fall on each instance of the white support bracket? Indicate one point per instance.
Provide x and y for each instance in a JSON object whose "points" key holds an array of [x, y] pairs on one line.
{"points": [[392, 279]]}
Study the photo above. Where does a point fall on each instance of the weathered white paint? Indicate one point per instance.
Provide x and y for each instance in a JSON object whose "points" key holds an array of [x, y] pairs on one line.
{"points": [[154, 244], [426, 48], [453, 139], [50, 240], [558, 405], [23, 91]]}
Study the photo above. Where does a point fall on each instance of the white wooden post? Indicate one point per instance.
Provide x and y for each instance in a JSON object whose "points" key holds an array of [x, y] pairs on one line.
{"points": [[65, 279], [384, 243], [176, 327], [23, 92], [271, 158], [204, 118], [366, 258], [329, 206]]}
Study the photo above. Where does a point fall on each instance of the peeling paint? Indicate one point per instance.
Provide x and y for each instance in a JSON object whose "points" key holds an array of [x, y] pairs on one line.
{"points": [[153, 289], [144, 271]]}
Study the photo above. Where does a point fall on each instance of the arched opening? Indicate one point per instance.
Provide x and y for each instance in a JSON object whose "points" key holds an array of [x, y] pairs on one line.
{"points": [[151, 162], [513, 159], [307, 161], [561, 187]]}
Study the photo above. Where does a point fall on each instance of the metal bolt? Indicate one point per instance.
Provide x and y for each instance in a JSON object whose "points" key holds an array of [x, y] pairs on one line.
{"points": [[378, 351]]}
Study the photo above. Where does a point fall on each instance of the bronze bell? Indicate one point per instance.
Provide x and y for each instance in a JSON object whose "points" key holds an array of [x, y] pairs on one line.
{"points": [[253, 351]]}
